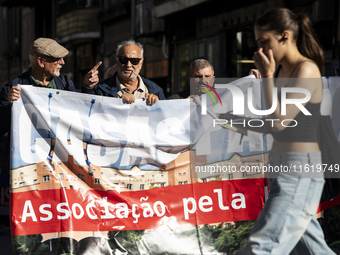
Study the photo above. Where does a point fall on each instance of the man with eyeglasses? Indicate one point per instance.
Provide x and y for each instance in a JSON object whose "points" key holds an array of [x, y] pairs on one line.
{"points": [[126, 83], [47, 59]]}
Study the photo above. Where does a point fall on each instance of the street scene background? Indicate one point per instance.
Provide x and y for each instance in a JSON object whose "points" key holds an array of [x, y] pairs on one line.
{"points": [[174, 33]]}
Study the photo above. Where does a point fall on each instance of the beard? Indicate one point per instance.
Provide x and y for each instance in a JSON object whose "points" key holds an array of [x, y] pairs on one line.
{"points": [[57, 71]]}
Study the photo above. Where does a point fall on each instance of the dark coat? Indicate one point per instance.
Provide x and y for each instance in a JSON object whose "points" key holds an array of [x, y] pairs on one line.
{"points": [[180, 95], [63, 82]]}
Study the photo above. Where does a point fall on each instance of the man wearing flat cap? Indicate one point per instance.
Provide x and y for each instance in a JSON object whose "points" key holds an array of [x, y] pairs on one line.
{"points": [[47, 59]]}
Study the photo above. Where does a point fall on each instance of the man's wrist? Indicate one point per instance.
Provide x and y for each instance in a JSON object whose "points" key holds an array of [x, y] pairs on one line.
{"points": [[87, 87]]}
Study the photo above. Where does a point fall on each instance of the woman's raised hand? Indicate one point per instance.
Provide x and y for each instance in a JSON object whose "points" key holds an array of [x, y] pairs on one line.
{"points": [[265, 64]]}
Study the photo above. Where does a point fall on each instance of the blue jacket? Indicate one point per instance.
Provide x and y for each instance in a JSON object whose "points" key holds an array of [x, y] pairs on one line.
{"points": [[108, 88], [63, 82]]}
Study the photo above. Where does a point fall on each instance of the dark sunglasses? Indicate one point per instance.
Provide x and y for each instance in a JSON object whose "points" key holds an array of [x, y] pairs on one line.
{"points": [[125, 60], [51, 59]]}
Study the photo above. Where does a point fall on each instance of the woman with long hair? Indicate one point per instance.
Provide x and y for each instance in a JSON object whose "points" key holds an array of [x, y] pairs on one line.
{"points": [[288, 51]]}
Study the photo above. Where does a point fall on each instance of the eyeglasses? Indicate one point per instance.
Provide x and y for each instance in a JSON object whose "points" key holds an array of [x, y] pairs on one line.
{"points": [[58, 60], [52, 60], [125, 60]]}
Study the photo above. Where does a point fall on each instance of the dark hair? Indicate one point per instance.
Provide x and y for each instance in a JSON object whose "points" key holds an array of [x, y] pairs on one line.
{"points": [[281, 19], [200, 64]]}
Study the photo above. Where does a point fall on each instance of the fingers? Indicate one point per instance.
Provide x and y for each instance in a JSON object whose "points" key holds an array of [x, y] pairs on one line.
{"points": [[256, 58], [128, 98], [271, 56], [194, 97], [260, 55], [255, 72], [16, 88], [96, 66], [151, 98], [264, 63], [91, 78], [13, 94]]}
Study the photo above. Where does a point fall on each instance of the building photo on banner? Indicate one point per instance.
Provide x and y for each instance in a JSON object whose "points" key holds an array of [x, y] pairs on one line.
{"points": [[92, 174]]}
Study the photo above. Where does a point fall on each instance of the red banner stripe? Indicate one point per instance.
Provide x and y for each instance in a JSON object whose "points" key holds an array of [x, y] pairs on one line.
{"points": [[48, 211]]}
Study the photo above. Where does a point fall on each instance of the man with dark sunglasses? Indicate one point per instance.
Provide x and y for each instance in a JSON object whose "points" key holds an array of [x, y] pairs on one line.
{"points": [[126, 83]]}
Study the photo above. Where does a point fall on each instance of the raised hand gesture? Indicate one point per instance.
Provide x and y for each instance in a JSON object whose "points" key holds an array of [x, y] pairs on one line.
{"points": [[91, 78]]}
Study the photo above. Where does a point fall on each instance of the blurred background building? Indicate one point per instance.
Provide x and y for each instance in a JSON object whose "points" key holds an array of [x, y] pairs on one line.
{"points": [[174, 33]]}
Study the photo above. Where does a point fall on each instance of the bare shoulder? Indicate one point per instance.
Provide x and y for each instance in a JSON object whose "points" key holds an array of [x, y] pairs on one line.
{"points": [[308, 76], [307, 69]]}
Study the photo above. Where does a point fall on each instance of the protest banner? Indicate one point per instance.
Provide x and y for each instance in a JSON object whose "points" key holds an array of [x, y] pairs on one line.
{"points": [[90, 174]]}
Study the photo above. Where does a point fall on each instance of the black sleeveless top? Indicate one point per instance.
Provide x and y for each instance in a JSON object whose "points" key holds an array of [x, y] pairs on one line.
{"points": [[306, 127]]}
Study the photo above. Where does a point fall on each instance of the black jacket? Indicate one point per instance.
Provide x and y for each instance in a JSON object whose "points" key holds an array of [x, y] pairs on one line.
{"points": [[180, 95], [63, 82]]}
